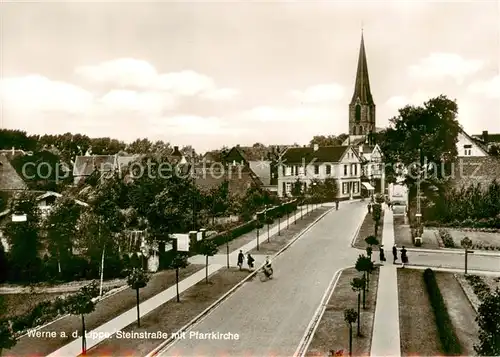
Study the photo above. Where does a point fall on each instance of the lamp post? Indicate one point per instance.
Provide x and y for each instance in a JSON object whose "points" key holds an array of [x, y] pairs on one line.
{"points": [[419, 213], [373, 187]]}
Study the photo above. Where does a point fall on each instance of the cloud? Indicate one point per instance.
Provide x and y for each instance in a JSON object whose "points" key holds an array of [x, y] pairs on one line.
{"points": [[141, 75], [490, 88], [442, 65], [221, 94], [320, 93], [193, 124], [304, 114], [417, 98], [137, 102], [35, 93]]}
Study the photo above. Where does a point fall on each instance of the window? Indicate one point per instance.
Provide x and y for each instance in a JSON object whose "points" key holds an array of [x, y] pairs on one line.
{"points": [[284, 189], [357, 115], [355, 169], [316, 169], [328, 169], [360, 130], [345, 170], [344, 188], [288, 188], [300, 170], [467, 150], [288, 171], [356, 187]]}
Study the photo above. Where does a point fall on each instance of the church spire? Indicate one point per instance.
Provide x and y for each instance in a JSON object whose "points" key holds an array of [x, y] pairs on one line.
{"points": [[362, 85]]}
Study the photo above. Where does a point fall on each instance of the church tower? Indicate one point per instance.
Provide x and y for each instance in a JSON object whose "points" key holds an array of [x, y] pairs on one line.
{"points": [[362, 106]]}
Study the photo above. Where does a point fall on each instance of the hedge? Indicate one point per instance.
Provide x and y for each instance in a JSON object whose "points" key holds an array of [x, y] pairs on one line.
{"points": [[449, 340]]}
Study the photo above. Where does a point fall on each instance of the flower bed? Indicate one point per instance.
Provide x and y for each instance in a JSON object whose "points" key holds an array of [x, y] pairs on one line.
{"points": [[446, 238], [490, 225], [480, 288]]}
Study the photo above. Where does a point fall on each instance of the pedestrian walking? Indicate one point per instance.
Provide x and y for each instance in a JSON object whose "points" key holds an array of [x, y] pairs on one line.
{"points": [[395, 253], [382, 254], [404, 257], [241, 259], [250, 261], [337, 205]]}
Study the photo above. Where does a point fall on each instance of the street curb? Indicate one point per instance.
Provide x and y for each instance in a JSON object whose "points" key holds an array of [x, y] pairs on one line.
{"points": [[451, 270], [356, 233], [465, 293], [453, 251], [318, 315], [170, 341]]}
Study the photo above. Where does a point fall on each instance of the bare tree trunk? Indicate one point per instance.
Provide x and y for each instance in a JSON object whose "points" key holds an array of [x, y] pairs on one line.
{"points": [[206, 269], [177, 284], [102, 270], [84, 340], [359, 313], [138, 314], [350, 339]]}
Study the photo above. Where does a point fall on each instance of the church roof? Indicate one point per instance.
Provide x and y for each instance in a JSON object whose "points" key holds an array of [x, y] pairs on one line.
{"points": [[362, 85]]}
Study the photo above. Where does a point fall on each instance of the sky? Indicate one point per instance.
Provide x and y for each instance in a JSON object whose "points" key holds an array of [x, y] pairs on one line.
{"points": [[214, 73]]}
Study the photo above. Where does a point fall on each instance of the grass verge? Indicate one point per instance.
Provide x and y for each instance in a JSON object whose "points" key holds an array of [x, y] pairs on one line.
{"points": [[460, 310], [172, 315], [332, 332], [105, 310], [276, 242], [418, 332], [368, 229]]}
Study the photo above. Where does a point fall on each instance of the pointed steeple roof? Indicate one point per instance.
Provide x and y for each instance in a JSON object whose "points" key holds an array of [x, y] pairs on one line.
{"points": [[362, 85]]}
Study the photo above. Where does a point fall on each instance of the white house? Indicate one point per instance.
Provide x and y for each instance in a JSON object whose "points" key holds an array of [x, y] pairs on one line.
{"points": [[467, 146], [310, 163]]}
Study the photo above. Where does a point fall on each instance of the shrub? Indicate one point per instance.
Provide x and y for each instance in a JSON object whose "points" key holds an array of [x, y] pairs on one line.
{"points": [[449, 340], [446, 238], [480, 288]]}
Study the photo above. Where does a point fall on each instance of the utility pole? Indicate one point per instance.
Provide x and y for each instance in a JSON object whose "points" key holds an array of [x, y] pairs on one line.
{"points": [[419, 213]]}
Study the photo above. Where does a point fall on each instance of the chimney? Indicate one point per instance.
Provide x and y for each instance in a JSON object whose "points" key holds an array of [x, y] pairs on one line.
{"points": [[485, 136], [176, 148], [316, 147]]}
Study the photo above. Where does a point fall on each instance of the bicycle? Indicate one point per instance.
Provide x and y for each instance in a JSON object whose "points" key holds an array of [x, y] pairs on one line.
{"points": [[264, 276]]}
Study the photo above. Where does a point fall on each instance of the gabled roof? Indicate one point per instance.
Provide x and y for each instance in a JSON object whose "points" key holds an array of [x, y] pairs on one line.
{"points": [[262, 170], [492, 138], [475, 141], [9, 178], [211, 177], [307, 154], [58, 195]]}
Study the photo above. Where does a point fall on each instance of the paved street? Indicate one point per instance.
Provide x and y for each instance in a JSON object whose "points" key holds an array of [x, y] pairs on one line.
{"points": [[271, 317], [449, 260]]}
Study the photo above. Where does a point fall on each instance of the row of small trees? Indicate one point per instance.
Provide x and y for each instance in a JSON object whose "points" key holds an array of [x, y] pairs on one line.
{"points": [[361, 286]]}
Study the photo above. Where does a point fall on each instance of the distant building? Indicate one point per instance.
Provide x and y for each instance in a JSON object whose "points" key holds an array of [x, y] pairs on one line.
{"points": [[488, 139], [306, 164], [468, 146]]}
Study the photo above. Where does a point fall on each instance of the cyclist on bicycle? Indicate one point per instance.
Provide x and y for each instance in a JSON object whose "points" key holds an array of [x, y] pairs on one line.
{"points": [[268, 269]]}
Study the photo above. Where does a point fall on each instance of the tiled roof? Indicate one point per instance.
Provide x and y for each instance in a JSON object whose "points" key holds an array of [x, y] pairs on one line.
{"points": [[263, 170], [212, 177], [307, 154], [492, 138], [9, 178], [474, 170]]}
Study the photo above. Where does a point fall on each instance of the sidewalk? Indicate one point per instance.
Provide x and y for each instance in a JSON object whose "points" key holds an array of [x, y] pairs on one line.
{"points": [[386, 335], [118, 323], [100, 334], [233, 255]]}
